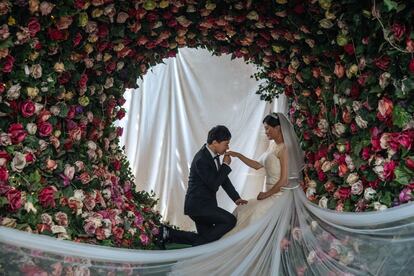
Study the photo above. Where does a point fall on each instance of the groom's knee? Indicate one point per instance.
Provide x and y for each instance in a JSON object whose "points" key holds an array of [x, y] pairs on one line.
{"points": [[231, 221]]}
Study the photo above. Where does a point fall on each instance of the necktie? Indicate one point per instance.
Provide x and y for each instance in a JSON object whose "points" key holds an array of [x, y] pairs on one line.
{"points": [[217, 159]]}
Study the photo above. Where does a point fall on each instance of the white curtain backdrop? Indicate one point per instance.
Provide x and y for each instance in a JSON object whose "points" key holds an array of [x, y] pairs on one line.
{"points": [[168, 118]]}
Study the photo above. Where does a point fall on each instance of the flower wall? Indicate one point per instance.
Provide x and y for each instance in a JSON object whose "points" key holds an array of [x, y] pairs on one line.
{"points": [[347, 67]]}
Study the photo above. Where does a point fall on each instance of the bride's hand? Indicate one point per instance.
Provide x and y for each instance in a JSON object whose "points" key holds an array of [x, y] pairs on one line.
{"points": [[263, 195], [232, 153]]}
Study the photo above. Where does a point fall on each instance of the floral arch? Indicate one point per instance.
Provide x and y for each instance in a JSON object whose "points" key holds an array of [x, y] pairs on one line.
{"points": [[347, 67]]}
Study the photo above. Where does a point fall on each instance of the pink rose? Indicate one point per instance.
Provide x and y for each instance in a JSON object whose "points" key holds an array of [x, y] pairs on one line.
{"points": [[408, 162], [385, 107], [144, 239], [17, 133], [15, 199], [45, 129], [85, 178], [405, 195], [61, 219], [28, 108], [389, 168], [47, 197], [90, 228], [118, 232], [46, 8], [33, 26]]}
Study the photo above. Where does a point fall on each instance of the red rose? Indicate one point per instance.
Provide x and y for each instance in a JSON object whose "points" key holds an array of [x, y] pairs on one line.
{"points": [[4, 174], [120, 114], [2, 87], [28, 108], [354, 128], [389, 168], [15, 199], [83, 81], [299, 9], [8, 64], [80, 4], [45, 129], [29, 157], [409, 163], [383, 62], [343, 192], [118, 232], [55, 34], [349, 49], [405, 139], [47, 197], [64, 77], [366, 153], [321, 176], [34, 26], [4, 155], [119, 131], [103, 31], [17, 133], [77, 39], [411, 66], [117, 165], [110, 67], [398, 30]]}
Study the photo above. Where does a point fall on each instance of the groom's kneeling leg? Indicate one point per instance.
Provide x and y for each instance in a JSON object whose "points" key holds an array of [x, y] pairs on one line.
{"points": [[214, 225], [182, 237]]}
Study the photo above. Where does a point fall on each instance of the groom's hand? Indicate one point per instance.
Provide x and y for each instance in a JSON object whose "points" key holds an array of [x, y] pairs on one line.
{"points": [[227, 159], [241, 201]]}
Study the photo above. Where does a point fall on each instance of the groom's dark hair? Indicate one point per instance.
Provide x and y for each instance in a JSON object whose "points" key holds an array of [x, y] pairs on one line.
{"points": [[218, 133]]}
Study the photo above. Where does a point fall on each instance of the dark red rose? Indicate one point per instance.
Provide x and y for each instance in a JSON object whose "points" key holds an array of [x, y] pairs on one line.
{"points": [[28, 108], [321, 176], [2, 87], [29, 157], [299, 9], [349, 49], [47, 197], [103, 31], [354, 128], [77, 39], [55, 34], [117, 165], [15, 199], [80, 4], [172, 23], [409, 163], [383, 62], [110, 67], [152, 17], [64, 78], [365, 153], [119, 131], [405, 139], [4, 174], [411, 66], [355, 91], [83, 81], [8, 64], [398, 30], [17, 133], [44, 128], [120, 114]]}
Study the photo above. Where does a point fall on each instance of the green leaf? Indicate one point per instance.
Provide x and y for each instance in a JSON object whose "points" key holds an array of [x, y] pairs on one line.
{"points": [[400, 116], [6, 43], [402, 175], [386, 198], [391, 5]]}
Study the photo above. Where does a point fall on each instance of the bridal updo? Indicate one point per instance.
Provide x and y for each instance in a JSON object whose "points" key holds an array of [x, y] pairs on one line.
{"points": [[272, 120]]}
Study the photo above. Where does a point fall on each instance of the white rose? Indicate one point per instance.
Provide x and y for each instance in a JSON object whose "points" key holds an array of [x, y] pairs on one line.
{"points": [[379, 170], [312, 184], [69, 171], [314, 225], [384, 79], [106, 193], [29, 207], [369, 193], [79, 195], [5, 139], [14, 92], [19, 162], [58, 229], [31, 128], [323, 125], [361, 122], [43, 145], [36, 71], [323, 202], [311, 257], [55, 110], [91, 145], [357, 188], [356, 106], [327, 166], [338, 129], [348, 258], [352, 178]]}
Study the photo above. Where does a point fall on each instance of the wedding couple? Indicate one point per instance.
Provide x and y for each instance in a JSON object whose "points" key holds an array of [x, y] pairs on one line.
{"points": [[282, 160]]}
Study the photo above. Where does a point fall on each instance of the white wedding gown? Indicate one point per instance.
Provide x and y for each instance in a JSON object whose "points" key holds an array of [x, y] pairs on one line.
{"points": [[256, 209]]}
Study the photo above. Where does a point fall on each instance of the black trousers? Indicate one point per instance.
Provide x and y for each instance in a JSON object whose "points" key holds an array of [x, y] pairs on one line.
{"points": [[211, 226]]}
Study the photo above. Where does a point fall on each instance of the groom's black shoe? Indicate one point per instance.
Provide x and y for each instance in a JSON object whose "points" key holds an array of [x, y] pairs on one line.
{"points": [[161, 238]]}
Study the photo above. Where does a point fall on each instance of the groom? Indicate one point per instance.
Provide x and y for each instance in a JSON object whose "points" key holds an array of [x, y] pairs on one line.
{"points": [[206, 176]]}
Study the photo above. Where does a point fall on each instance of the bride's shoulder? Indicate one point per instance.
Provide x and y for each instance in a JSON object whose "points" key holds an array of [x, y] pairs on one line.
{"points": [[279, 148]]}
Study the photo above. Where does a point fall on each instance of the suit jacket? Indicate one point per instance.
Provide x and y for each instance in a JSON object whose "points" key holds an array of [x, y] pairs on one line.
{"points": [[204, 182]]}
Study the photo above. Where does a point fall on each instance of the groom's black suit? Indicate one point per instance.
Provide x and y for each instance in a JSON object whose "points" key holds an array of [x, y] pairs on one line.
{"points": [[212, 222]]}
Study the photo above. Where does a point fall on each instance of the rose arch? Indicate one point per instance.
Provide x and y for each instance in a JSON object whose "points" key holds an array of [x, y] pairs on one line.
{"points": [[346, 66]]}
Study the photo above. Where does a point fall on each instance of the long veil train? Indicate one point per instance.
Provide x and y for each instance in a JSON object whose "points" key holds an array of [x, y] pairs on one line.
{"points": [[295, 238]]}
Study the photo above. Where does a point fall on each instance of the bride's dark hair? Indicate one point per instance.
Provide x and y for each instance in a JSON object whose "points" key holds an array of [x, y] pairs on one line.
{"points": [[272, 120]]}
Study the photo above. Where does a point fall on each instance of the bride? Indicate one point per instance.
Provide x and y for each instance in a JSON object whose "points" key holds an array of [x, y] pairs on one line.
{"points": [[279, 170]]}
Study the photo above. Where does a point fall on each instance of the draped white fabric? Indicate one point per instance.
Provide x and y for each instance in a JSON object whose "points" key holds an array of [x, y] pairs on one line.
{"points": [[294, 238], [168, 118]]}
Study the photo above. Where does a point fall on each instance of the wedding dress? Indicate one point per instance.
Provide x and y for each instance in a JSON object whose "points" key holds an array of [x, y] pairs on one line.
{"points": [[256, 209]]}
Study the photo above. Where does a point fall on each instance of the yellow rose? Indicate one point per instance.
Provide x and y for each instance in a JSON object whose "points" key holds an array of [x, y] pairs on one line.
{"points": [[97, 13], [32, 92], [107, 57], [83, 19], [88, 48], [150, 5], [83, 101], [33, 56], [59, 67], [11, 21], [163, 4], [57, 133], [325, 4], [277, 48], [68, 95], [210, 6], [281, 1], [341, 40]]}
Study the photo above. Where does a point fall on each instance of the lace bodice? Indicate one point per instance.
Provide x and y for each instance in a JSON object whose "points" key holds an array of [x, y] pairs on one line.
{"points": [[271, 163]]}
